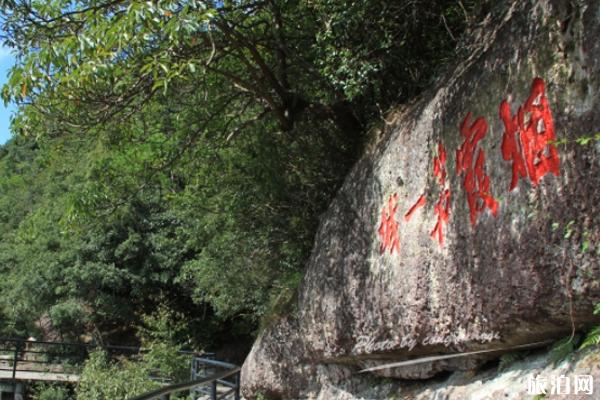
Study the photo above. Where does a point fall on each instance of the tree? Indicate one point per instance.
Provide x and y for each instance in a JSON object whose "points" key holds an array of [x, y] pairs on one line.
{"points": [[184, 150], [85, 62]]}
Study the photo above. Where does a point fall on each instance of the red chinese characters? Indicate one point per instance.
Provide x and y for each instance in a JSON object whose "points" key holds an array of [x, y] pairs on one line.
{"points": [[442, 207], [439, 164], [528, 136], [388, 230], [476, 181], [420, 203], [442, 210], [527, 142]]}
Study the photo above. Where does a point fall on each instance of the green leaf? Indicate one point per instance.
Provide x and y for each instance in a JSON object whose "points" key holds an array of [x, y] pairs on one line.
{"points": [[592, 338], [561, 349]]}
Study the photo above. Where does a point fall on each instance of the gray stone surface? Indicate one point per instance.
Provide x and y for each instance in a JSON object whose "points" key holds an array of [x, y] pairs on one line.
{"points": [[511, 383], [518, 277]]}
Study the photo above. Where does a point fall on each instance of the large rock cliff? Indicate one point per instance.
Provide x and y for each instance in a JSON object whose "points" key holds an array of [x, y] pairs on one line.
{"points": [[474, 223]]}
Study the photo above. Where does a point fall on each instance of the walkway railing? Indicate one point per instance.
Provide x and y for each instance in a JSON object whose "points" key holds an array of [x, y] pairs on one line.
{"points": [[54, 361], [216, 379], [40, 360]]}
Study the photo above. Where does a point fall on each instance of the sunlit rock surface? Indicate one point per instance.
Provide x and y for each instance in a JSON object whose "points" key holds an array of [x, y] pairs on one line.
{"points": [[566, 379], [475, 265]]}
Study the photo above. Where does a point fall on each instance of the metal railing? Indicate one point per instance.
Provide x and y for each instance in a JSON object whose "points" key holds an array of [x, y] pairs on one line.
{"points": [[59, 358], [217, 379]]}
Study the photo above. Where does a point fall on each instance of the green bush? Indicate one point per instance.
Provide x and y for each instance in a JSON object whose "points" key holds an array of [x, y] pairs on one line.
{"points": [[159, 335], [68, 317], [593, 336], [51, 392], [103, 380]]}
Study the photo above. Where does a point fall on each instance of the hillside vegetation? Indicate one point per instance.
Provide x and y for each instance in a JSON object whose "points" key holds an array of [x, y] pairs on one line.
{"points": [[176, 155]]}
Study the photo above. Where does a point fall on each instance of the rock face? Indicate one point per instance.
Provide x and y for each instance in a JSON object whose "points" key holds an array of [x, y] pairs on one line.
{"points": [[474, 222], [522, 379]]}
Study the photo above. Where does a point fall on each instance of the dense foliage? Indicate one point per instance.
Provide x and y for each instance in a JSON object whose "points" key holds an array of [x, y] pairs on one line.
{"points": [[177, 154]]}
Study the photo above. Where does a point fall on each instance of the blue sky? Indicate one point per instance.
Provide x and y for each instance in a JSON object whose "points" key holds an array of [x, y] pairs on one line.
{"points": [[6, 61]]}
